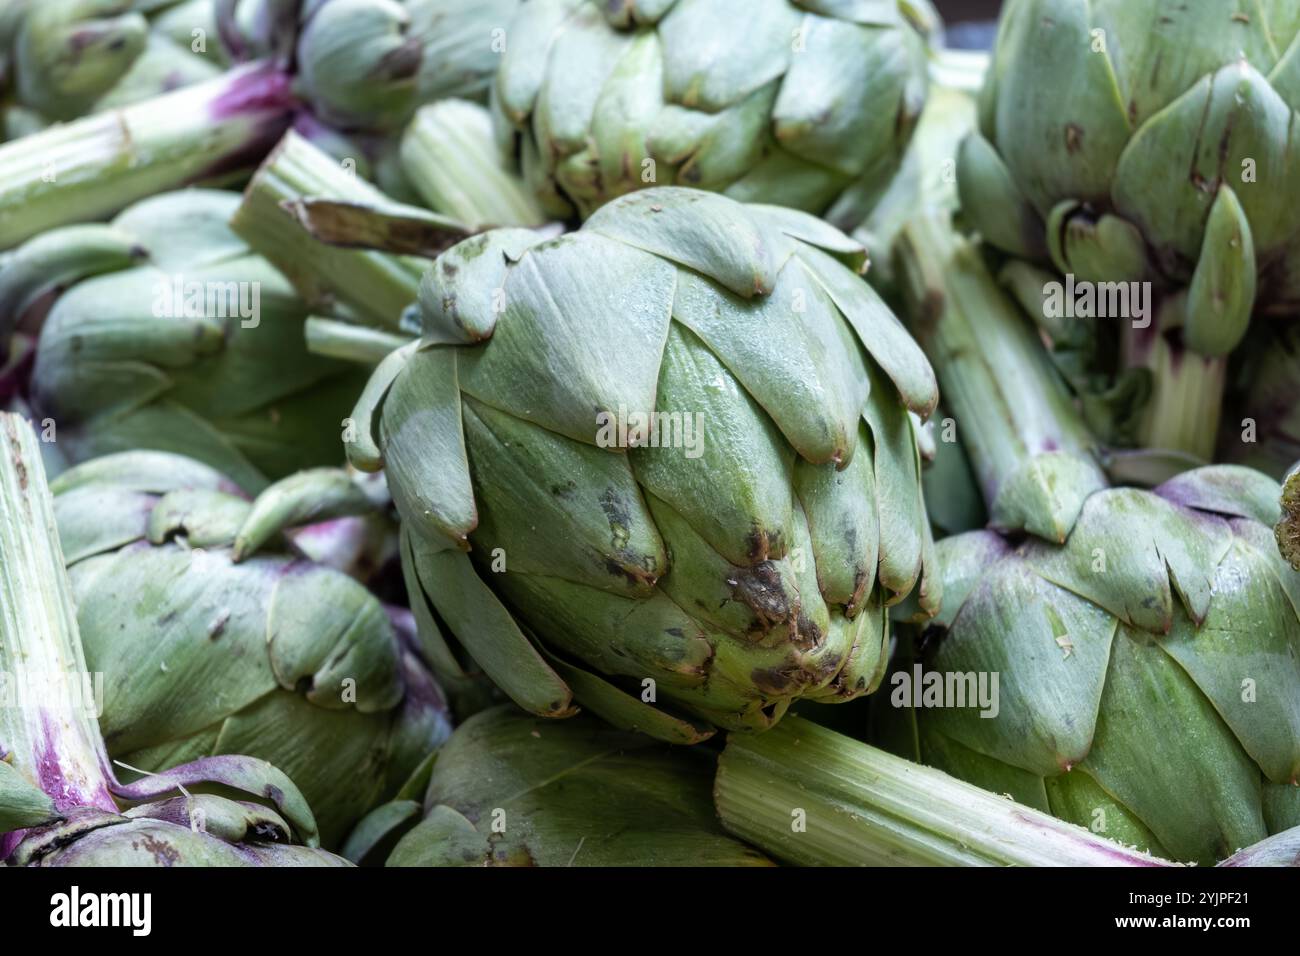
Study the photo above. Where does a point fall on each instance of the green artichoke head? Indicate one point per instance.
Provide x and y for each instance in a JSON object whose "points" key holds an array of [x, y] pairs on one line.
{"points": [[810, 105], [358, 63], [216, 633], [165, 332], [61, 803], [1147, 669], [676, 445], [1128, 140], [68, 52]]}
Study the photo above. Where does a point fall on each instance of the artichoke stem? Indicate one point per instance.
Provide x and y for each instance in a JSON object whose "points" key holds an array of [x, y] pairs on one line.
{"points": [[812, 797], [450, 156], [1027, 442], [92, 167], [1187, 388], [377, 285], [52, 736]]}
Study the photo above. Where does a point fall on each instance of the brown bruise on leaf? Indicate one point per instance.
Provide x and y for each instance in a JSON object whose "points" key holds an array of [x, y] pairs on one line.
{"points": [[759, 589]]}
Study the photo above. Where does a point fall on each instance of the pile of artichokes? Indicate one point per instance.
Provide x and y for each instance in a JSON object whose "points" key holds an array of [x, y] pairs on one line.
{"points": [[641, 433]]}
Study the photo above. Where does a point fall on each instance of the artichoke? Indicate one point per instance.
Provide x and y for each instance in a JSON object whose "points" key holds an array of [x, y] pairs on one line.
{"points": [[809, 106], [60, 804], [678, 445], [1145, 644], [72, 57], [512, 790], [812, 797], [367, 65], [214, 637], [1189, 638], [68, 52], [1075, 178], [166, 333]]}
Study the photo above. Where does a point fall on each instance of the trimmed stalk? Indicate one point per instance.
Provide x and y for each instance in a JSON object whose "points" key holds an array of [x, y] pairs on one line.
{"points": [[1030, 449], [378, 285], [50, 739], [91, 168], [812, 797]]}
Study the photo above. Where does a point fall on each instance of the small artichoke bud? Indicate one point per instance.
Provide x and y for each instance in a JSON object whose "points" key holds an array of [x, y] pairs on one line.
{"points": [[1095, 249], [1222, 293]]}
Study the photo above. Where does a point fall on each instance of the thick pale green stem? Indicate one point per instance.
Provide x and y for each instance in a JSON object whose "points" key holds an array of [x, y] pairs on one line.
{"points": [[355, 343], [1027, 442], [1188, 388], [378, 285], [48, 724], [449, 154], [810, 796], [91, 168]]}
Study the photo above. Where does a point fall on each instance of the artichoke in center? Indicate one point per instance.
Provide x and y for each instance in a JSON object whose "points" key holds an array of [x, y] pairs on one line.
{"points": [[665, 466]]}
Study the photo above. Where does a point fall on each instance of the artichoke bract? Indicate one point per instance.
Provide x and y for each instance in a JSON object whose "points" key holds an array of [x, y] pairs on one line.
{"points": [[512, 790], [166, 332], [1133, 665], [216, 636], [1165, 160], [809, 105], [60, 803], [678, 446]]}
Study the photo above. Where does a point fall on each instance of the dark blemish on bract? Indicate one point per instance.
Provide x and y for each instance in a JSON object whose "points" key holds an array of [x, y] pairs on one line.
{"points": [[160, 850], [1073, 138], [218, 626]]}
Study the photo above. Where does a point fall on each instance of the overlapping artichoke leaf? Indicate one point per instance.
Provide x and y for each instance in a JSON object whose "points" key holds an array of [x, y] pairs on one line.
{"points": [[512, 790]]}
